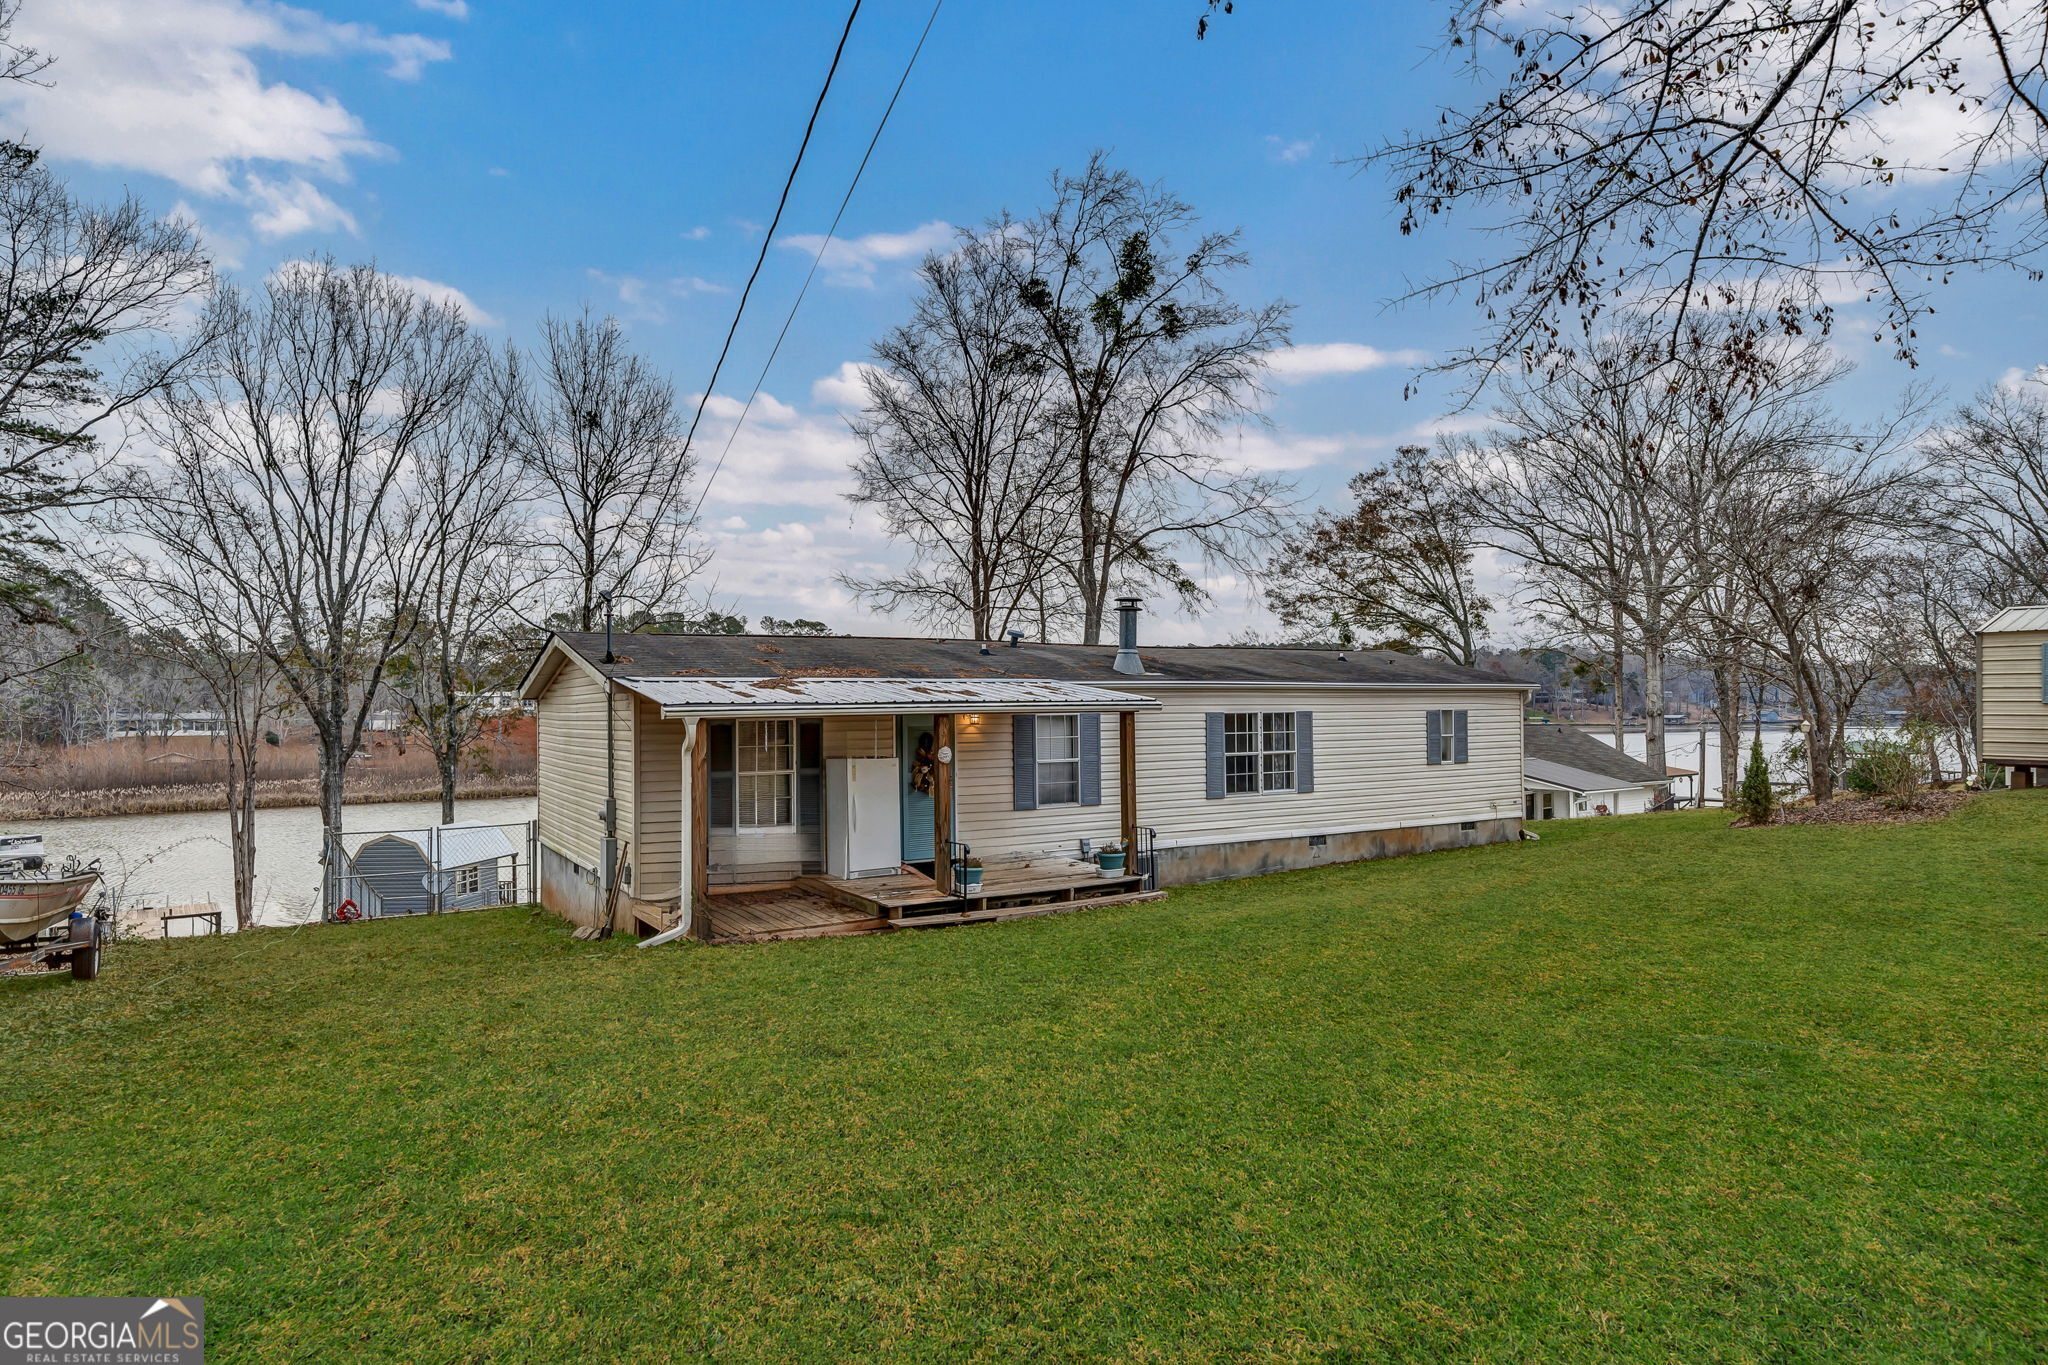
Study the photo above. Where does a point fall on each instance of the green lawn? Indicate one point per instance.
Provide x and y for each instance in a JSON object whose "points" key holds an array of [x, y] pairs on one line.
{"points": [[1650, 1089]]}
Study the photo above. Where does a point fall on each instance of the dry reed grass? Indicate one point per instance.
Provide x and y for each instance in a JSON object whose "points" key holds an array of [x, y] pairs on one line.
{"points": [[184, 773]]}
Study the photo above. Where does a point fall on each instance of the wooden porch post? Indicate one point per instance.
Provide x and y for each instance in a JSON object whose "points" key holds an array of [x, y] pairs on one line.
{"points": [[1127, 782], [942, 805], [698, 852]]}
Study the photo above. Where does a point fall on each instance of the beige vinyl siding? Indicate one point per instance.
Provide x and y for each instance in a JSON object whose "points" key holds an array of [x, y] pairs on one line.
{"points": [[569, 735], [860, 736], [984, 795], [2014, 719], [1371, 765], [1371, 771], [657, 828]]}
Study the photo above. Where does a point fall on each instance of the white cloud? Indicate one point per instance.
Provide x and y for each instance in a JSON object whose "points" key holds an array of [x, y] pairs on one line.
{"points": [[647, 300], [1295, 364], [845, 388], [852, 261], [781, 458], [453, 9], [697, 233], [1287, 152], [172, 88], [1258, 450], [282, 208]]}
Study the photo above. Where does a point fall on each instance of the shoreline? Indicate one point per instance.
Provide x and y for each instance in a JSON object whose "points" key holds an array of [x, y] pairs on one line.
{"points": [[204, 798]]}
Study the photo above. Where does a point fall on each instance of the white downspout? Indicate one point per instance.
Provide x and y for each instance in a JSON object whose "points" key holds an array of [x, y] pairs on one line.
{"points": [[686, 902]]}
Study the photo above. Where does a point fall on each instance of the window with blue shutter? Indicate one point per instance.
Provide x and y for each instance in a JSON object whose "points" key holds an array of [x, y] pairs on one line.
{"points": [[2044, 675], [1091, 759], [1024, 762], [1212, 755], [1459, 753], [1433, 736], [1304, 751]]}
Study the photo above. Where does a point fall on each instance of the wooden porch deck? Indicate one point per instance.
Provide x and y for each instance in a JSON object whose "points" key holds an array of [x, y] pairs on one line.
{"points": [[818, 907]]}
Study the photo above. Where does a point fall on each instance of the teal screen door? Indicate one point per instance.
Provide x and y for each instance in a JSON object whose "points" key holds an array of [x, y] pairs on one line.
{"points": [[917, 806]]}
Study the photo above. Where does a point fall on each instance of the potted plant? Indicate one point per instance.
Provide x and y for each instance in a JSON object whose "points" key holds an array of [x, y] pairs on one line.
{"points": [[1109, 860], [967, 872]]}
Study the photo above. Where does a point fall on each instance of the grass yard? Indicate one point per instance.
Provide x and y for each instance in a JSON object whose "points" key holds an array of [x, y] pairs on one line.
{"points": [[1650, 1089]]}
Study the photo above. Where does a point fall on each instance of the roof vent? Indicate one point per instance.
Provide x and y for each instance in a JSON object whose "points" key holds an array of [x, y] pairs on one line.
{"points": [[1127, 660], [1016, 637], [985, 649]]}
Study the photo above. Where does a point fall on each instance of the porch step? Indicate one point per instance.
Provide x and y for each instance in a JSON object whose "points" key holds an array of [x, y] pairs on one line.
{"points": [[1009, 912]]}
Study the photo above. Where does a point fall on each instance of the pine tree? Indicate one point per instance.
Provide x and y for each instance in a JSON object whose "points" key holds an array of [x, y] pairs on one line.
{"points": [[1754, 799]]}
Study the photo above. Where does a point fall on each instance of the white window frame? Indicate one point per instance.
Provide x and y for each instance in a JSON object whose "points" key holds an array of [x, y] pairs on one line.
{"points": [[469, 879], [778, 772], [1061, 763], [1447, 734], [1264, 775]]}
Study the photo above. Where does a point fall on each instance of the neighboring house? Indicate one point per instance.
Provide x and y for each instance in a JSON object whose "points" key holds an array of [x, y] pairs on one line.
{"points": [[398, 873], [159, 724], [2012, 692], [860, 771], [1568, 773]]}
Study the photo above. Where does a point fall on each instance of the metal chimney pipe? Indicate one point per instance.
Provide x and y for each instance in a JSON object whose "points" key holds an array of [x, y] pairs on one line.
{"points": [[1127, 660]]}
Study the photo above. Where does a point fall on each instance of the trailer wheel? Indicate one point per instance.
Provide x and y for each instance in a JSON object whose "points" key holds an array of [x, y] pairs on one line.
{"points": [[85, 959]]}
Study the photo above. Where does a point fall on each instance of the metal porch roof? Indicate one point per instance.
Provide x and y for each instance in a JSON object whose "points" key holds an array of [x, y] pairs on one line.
{"points": [[875, 696]]}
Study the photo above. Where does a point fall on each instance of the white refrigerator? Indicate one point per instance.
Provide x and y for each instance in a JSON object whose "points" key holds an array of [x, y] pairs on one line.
{"points": [[863, 817]]}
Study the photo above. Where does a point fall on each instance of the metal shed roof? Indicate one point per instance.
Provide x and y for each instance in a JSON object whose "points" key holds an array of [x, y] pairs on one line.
{"points": [[2018, 618], [875, 696], [456, 845]]}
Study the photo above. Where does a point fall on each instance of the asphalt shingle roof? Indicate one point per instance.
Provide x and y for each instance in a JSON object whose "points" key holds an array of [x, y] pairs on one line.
{"points": [[874, 656], [1570, 747]]}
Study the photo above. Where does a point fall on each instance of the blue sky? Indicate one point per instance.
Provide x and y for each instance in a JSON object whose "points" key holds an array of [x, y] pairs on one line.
{"points": [[536, 156]]}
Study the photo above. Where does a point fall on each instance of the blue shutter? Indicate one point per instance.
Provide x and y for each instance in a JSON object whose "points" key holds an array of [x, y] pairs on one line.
{"points": [[1091, 758], [1024, 762], [1212, 755], [2044, 675], [1458, 754], [1304, 751], [1434, 734]]}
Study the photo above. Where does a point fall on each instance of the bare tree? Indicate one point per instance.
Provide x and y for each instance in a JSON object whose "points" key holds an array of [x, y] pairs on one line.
{"points": [[1989, 473], [1609, 473], [293, 459], [1396, 564], [1155, 360], [962, 455], [603, 442], [190, 615], [90, 302], [467, 639], [1790, 156]]}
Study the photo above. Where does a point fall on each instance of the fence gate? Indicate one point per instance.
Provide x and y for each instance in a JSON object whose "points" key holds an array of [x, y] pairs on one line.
{"points": [[423, 871]]}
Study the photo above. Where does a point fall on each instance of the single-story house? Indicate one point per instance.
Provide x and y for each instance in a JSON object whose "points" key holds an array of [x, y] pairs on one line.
{"points": [[1568, 773], [401, 872], [734, 784], [2012, 692]]}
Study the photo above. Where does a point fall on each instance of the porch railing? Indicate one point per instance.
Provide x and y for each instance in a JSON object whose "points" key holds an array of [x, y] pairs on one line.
{"points": [[1143, 861]]}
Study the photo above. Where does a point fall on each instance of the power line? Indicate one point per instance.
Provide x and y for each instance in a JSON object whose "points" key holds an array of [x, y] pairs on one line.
{"points": [[768, 237], [823, 246]]}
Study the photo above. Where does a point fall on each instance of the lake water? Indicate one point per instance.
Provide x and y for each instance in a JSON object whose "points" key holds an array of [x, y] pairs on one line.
{"points": [[1682, 750], [183, 859]]}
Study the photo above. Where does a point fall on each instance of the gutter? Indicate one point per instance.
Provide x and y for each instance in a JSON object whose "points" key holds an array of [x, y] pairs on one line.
{"points": [[686, 896]]}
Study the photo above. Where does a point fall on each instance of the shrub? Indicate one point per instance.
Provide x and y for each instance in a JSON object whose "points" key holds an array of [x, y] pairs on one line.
{"points": [[1889, 766], [1755, 799]]}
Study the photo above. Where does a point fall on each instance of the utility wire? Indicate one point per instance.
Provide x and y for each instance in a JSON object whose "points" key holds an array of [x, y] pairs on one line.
{"points": [[823, 246], [768, 238]]}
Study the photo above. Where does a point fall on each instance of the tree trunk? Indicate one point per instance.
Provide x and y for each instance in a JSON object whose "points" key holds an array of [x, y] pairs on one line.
{"points": [[332, 762], [1728, 723], [1653, 705], [447, 762]]}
